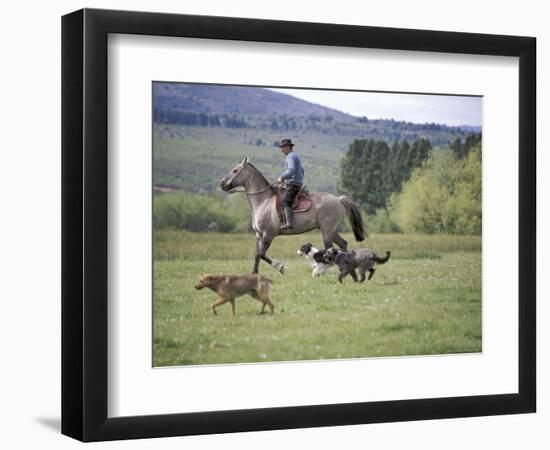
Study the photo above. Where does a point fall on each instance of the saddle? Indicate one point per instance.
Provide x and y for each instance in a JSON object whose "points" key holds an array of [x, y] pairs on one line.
{"points": [[302, 202]]}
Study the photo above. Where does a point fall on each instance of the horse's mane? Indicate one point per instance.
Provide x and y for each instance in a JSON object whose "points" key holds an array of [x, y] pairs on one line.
{"points": [[260, 173]]}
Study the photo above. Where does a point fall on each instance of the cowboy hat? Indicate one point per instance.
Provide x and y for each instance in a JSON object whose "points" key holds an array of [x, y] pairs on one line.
{"points": [[286, 142]]}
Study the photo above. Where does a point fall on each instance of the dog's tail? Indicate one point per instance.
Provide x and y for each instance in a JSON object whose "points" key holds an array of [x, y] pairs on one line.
{"points": [[355, 218], [380, 260]]}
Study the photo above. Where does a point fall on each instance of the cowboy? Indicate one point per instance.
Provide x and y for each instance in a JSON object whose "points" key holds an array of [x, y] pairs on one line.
{"points": [[293, 178]]}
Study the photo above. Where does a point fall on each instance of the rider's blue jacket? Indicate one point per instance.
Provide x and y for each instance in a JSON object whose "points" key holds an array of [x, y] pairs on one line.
{"points": [[294, 172]]}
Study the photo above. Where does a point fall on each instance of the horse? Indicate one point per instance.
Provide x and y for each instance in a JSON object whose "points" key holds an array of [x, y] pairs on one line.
{"points": [[326, 213]]}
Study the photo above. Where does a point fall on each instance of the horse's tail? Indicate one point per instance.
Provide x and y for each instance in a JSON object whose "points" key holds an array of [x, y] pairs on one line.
{"points": [[355, 218]]}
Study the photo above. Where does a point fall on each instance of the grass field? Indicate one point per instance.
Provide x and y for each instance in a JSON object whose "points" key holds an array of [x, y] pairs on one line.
{"points": [[425, 300], [192, 157], [195, 158]]}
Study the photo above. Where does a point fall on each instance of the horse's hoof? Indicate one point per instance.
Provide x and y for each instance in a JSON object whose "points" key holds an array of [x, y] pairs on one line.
{"points": [[282, 270]]}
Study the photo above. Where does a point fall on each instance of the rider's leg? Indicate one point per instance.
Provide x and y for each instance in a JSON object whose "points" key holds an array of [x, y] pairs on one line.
{"points": [[290, 194], [289, 218]]}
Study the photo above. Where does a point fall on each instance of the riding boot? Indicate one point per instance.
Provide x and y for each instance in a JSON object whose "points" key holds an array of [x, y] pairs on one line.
{"points": [[287, 214]]}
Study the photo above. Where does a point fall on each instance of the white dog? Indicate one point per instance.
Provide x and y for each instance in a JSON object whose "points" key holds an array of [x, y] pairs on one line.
{"points": [[315, 258]]}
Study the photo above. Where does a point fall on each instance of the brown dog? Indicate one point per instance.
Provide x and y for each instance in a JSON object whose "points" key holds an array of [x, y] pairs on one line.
{"points": [[229, 287]]}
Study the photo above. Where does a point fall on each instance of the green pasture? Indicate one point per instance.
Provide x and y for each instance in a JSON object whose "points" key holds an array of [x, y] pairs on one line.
{"points": [[425, 300]]}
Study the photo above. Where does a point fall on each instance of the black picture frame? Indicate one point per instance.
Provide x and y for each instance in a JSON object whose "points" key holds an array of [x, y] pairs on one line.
{"points": [[84, 224]]}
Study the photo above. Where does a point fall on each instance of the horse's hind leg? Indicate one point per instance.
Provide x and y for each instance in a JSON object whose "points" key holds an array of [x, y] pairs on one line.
{"points": [[328, 238], [329, 219], [340, 241]]}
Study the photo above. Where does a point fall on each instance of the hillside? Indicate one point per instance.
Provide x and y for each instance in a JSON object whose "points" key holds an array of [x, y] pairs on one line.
{"points": [[243, 101], [201, 131]]}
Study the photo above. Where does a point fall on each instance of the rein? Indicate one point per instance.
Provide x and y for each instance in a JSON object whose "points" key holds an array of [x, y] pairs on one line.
{"points": [[234, 191]]}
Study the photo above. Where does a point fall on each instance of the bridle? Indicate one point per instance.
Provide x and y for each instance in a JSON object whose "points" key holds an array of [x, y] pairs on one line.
{"points": [[235, 191]]}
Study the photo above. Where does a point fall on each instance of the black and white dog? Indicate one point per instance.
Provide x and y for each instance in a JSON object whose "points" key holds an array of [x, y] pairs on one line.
{"points": [[316, 258], [361, 259]]}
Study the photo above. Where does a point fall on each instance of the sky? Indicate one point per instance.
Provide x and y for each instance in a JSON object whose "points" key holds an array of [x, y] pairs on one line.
{"points": [[416, 108]]}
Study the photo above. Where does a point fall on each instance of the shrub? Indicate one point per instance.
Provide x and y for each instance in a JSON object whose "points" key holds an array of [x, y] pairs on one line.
{"points": [[194, 212], [443, 196], [383, 222]]}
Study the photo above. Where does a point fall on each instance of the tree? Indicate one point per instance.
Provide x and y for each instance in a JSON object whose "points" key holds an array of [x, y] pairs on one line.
{"points": [[461, 149], [418, 153], [363, 172], [456, 148], [442, 196], [394, 178], [371, 171]]}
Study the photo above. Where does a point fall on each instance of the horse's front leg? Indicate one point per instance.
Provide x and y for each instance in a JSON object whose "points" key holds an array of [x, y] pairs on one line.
{"points": [[264, 247], [257, 254]]}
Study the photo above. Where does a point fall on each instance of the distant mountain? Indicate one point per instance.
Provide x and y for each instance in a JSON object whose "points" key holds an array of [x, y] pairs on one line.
{"points": [[470, 128], [247, 101], [256, 108], [200, 131]]}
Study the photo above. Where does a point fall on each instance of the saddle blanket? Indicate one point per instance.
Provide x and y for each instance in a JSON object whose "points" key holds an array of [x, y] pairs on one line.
{"points": [[302, 203]]}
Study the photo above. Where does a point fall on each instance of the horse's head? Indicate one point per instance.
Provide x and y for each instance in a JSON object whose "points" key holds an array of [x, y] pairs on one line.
{"points": [[236, 176]]}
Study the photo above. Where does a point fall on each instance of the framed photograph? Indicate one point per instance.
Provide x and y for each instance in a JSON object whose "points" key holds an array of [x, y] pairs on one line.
{"points": [[273, 224]]}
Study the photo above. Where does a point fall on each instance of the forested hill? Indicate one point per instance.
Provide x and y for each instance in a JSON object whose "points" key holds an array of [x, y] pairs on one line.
{"points": [[242, 101], [201, 131], [260, 108]]}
